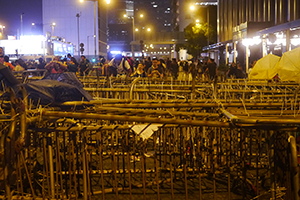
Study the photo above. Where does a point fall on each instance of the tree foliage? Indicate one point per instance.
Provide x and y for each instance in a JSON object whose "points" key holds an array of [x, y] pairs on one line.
{"points": [[197, 36]]}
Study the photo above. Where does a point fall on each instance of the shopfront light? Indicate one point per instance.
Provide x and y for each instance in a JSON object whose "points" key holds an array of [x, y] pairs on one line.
{"points": [[251, 41]]}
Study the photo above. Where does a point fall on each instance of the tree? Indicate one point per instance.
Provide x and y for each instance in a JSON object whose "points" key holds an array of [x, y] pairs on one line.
{"points": [[197, 35]]}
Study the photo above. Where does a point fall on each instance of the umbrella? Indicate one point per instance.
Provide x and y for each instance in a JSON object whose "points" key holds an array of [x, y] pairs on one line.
{"points": [[288, 67], [264, 67]]}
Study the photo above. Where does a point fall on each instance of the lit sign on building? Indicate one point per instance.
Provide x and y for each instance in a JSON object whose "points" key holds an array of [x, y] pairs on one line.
{"points": [[62, 49]]}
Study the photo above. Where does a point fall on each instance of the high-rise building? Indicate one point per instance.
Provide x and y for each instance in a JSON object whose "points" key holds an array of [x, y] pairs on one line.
{"points": [[125, 33], [120, 26], [158, 14]]}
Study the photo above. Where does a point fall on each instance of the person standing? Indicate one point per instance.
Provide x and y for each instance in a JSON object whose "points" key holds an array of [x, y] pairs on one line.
{"points": [[73, 60], [7, 63], [18, 66], [84, 66], [211, 68], [154, 71], [41, 64], [174, 68], [120, 65], [139, 72], [239, 72], [56, 67]]}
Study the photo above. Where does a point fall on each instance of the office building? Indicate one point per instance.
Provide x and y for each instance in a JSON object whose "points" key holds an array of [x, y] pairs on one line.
{"points": [[120, 26], [75, 21], [158, 14], [154, 27], [250, 29]]}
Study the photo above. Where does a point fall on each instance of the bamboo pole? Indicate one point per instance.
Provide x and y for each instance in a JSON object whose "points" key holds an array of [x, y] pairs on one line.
{"points": [[135, 119]]}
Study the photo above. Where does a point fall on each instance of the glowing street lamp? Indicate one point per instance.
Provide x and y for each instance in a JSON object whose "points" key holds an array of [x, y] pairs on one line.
{"points": [[53, 25], [95, 22], [2, 27], [148, 29], [192, 7], [133, 30]]}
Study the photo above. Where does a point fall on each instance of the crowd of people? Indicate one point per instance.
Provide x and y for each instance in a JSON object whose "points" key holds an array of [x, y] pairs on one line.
{"points": [[184, 70]]}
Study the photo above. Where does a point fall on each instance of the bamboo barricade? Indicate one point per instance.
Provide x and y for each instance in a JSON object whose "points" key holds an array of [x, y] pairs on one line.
{"points": [[223, 143], [219, 153]]}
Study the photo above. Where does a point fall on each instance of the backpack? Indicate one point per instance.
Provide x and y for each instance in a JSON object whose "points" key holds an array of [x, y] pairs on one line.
{"points": [[185, 67], [130, 62]]}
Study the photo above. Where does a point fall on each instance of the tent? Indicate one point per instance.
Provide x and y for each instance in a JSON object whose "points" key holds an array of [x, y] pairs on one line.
{"points": [[288, 68], [264, 67]]}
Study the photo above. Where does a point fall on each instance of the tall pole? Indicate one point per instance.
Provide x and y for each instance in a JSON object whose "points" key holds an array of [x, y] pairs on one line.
{"points": [[21, 24], [88, 53], [207, 9], [78, 15], [52, 30], [95, 27], [133, 37]]}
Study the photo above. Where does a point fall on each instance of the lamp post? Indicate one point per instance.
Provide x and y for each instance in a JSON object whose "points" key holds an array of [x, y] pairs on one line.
{"points": [[133, 33], [142, 45], [78, 15], [2, 27], [95, 24], [52, 26], [192, 8], [21, 24]]}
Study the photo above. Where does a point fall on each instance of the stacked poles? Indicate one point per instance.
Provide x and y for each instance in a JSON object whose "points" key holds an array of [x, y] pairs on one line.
{"points": [[203, 143]]}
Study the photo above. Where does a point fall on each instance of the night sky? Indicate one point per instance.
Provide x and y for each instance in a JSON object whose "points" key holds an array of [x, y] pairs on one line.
{"points": [[10, 15]]}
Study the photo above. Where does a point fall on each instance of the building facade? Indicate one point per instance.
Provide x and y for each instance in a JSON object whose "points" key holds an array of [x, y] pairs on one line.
{"points": [[250, 29], [158, 14], [120, 27], [134, 34], [75, 21]]}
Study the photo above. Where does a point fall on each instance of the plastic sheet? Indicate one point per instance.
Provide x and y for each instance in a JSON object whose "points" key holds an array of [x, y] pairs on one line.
{"points": [[55, 88]]}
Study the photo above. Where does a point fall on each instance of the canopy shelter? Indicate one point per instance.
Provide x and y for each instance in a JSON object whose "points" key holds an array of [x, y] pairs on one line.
{"points": [[288, 68], [265, 67]]}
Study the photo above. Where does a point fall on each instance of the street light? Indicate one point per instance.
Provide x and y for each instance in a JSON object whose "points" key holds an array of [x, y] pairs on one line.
{"points": [[133, 32], [192, 8], [1, 33], [53, 25], [21, 24], [95, 21], [2, 27], [78, 15]]}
